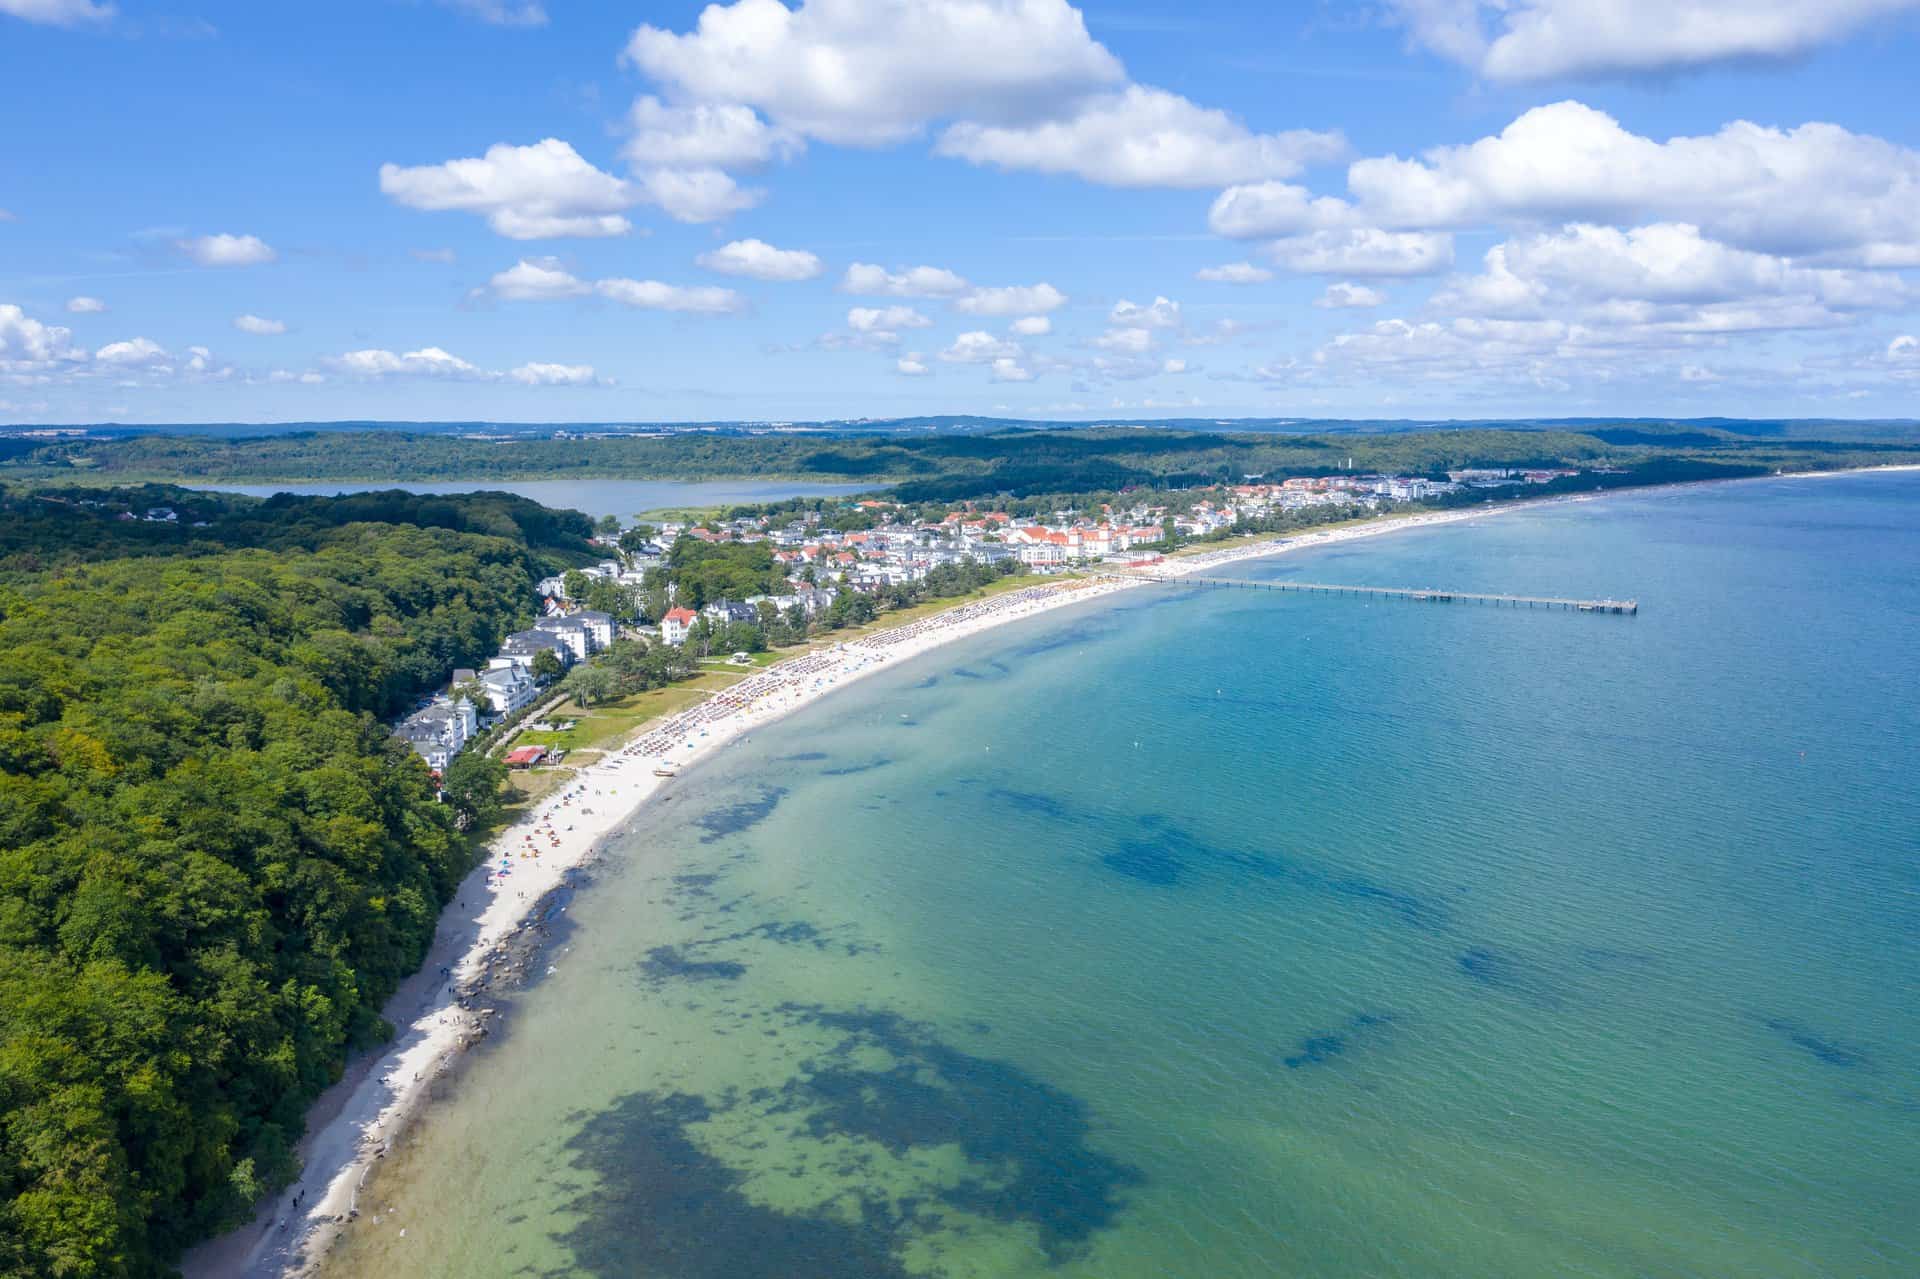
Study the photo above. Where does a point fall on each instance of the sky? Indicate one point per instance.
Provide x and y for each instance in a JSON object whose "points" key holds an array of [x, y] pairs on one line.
{"points": [[563, 210]]}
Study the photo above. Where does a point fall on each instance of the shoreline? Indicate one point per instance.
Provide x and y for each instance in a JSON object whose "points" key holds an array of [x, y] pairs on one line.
{"points": [[383, 1091]]}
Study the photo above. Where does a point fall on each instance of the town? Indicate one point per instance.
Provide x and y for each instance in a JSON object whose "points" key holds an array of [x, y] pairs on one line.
{"points": [[827, 565]]}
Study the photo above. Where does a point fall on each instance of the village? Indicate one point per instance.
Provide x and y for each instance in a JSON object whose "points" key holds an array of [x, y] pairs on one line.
{"points": [[823, 576]]}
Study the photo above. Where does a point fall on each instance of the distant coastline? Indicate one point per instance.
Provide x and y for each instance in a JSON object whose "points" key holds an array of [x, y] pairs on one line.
{"points": [[355, 1121]]}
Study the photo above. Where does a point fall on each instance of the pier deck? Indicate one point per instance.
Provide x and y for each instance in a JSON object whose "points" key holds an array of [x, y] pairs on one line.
{"points": [[1425, 595]]}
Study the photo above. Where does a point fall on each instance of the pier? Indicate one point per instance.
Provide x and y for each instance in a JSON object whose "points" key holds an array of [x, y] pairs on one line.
{"points": [[1426, 595]]}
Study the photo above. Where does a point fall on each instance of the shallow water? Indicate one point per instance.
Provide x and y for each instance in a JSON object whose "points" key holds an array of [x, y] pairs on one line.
{"points": [[1241, 934]]}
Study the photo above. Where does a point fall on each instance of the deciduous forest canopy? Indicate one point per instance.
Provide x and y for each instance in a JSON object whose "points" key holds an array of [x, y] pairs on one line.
{"points": [[215, 863]]}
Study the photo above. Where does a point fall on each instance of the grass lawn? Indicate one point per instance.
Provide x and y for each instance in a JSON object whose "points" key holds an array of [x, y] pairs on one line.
{"points": [[601, 727]]}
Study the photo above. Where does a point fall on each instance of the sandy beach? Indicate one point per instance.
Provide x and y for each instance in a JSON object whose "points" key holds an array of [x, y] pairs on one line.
{"points": [[353, 1124]]}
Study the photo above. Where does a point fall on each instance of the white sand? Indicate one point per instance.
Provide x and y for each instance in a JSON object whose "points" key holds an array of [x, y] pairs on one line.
{"points": [[352, 1124]]}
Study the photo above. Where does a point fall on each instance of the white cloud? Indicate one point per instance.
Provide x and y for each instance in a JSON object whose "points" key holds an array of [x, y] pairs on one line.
{"points": [[1128, 341], [871, 73], [553, 374], [1814, 189], [1142, 137], [912, 282], [980, 347], [652, 295], [227, 250], [429, 361], [1521, 40], [1663, 276], [1274, 208], [1173, 366], [525, 193], [1364, 251], [26, 343], [759, 260], [703, 135], [867, 319], [1008, 369], [1234, 273], [259, 327], [1032, 326], [1015, 299], [1161, 313], [85, 306], [697, 195], [57, 13], [1345, 295], [912, 364], [134, 351], [502, 13], [537, 280]]}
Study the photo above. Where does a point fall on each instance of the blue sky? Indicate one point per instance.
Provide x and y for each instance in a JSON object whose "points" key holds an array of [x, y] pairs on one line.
{"points": [[566, 211]]}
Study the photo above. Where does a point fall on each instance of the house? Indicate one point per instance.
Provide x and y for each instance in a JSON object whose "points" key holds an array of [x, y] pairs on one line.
{"points": [[723, 612], [437, 733], [525, 756], [519, 649], [599, 627], [569, 630], [509, 688], [676, 624]]}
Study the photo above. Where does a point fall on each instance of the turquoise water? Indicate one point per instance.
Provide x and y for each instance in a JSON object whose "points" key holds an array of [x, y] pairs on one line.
{"points": [[1237, 934]]}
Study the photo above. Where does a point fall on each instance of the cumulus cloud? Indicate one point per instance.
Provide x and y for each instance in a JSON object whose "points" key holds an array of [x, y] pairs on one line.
{"points": [[912, 364], [85, 306], [227, 250], [652, 295], [980, 347], [134, 351], [1364, 251], [26, 343], [868, 319], [1345, 295], [502, 13], [759, 260], [1142, 137], [866, 74], [537, 280], [1161, 313], [1008, 369], [1274, 208], [1036, 299], [1031, 326], [1521, 40], [1234, 273], [258, 326], [1815, 189], [1128, 341], [1664, 275], [57, 13], [553, 374], [703, 135], [696, 195], [533, 192], [430, 362], [910, 282]]}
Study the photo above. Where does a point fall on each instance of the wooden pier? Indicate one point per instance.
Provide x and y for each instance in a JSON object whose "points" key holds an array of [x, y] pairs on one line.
{"points": [[1427, 595]]}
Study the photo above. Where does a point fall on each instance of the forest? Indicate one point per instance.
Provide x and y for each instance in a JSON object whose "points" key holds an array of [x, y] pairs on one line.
{"points": [[948, 467], [215, 863]]}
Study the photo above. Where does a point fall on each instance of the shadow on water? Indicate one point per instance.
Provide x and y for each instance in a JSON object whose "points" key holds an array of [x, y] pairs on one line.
{"points": [[731, 819], [663, 1206]]}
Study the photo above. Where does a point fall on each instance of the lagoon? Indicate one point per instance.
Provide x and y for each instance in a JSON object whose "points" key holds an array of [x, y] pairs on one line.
{"points": [[623, 499], [1215, 932]]}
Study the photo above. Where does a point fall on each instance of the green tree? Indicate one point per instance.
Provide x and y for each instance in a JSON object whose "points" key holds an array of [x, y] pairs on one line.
{"points": [[547, 665], [471, 786]]}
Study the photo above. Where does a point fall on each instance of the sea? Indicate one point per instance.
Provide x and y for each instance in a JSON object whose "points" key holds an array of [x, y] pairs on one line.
{"points": [[1206, 932]]}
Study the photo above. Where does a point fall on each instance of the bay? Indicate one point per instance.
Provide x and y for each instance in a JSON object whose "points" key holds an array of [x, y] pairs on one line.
{"points": [[1242, 934]]}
